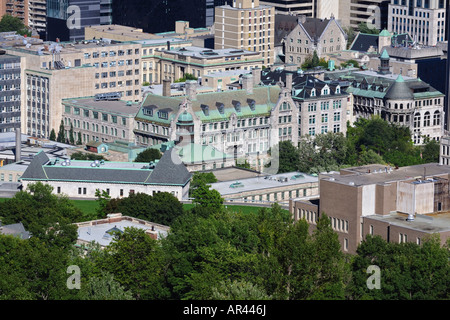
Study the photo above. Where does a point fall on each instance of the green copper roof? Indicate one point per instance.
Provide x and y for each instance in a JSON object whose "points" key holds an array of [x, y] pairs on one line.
{"points": [[384, 55], [185, 117], [384, 33]]}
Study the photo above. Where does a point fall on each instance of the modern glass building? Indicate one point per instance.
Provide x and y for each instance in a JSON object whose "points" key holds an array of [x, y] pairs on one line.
{"points": [[66, 19]]}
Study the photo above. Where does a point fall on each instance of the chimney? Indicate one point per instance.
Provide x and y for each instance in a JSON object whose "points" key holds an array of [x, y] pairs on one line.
{"points": [[256, 73], [288, 84], [18, 145], [166, 88], [168, 45], [191, 89], [247, 83]]}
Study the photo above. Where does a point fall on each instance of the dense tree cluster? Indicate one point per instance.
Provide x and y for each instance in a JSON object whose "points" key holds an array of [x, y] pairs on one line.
{"points": [[368, 141], [217, 254]]}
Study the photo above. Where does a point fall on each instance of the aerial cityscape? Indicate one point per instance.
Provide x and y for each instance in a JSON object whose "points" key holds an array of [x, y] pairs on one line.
{"points": [[206, 150]]}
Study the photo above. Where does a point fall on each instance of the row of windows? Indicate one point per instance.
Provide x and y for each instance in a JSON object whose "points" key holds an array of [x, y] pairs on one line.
{"points": [[324, 117], [427, 119], [111, 53], [95, 115], [282, 195], [324, 129], [143, 126]]}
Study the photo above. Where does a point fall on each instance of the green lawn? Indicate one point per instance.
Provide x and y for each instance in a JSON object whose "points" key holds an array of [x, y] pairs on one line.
{"points": [[90, 206], [86, 206]]}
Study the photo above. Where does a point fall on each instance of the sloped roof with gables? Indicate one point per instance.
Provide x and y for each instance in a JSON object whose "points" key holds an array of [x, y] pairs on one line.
{"points": [[169, 170]]}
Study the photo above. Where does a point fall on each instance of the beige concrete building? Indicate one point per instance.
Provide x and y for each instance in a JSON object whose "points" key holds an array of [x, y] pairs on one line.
{"points": [[55, 71], [246, 25], [425, 21], [174, 63], [404, 204]]}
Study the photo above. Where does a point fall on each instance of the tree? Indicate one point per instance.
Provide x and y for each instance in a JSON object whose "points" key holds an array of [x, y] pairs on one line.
{"points": [[187, 76], [408, 270], [199, 178], [52, 135], [136, 262], [103, 198], [71, 134], [238, 290], [430, 151], [10, 23], [328, 268], [61, 133], [363, 27], [148, 155], [289, 159], [104, 288], [207, 198], [86, 156], [45, 215]]}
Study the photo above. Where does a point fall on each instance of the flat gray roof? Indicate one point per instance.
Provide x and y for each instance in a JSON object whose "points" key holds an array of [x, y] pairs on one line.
{"points": [[263, 182], [98, 233], [384, 174], [202, 52], [110, 106], [430, 223]]}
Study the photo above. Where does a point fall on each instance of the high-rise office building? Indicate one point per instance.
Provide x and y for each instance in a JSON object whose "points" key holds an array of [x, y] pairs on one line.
{"points": [[246, 25], [424, 20], [10, 94], [321, 9], [354, 12], [66, 19], [160, 15]]}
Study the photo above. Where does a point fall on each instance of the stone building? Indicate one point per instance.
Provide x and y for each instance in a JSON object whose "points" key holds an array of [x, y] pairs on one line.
{"points": [[99, 120], [325, 36], [322, 106], [402, 100], [81, 179]]}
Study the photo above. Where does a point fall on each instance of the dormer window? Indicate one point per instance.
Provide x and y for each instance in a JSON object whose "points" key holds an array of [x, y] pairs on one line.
{"points": [[252, 104], [205, 109], [237, 105], [338, 89], [220, 107], [313, 92], [163, 115]]}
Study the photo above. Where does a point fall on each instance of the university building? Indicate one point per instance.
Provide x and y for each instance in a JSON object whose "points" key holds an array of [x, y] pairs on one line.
{"points": [[325, 36], [398, 99], [81, 179], [56, 71], [407, 204]]}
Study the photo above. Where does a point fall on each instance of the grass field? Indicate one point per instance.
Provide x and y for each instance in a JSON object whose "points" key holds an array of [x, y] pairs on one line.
{"points": [[90, 206]]}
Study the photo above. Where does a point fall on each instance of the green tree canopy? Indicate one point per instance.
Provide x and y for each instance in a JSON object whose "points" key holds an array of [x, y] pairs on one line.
{"points": [[148, 155], [10, 23]]}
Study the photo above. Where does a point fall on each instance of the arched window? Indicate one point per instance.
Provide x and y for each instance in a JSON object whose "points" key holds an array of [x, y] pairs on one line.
{"points": [[427, 119], [417, 120], [436, 118]]}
